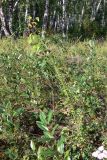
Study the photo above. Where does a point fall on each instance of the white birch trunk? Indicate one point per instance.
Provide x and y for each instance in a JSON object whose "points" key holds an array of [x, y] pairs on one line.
{"points": [[63, 18], [26, 10], [12, 8], [3, 22], [52, 20], [81, 16], [10, 16], [45, 18]]}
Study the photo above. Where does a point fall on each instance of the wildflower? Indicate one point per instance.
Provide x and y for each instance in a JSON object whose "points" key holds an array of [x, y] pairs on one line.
{"points": [[101, 148], [95, 154], [101, 153]]}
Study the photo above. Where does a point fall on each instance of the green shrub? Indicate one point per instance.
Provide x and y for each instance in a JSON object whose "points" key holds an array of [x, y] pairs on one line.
{"points": [[52, 100]]}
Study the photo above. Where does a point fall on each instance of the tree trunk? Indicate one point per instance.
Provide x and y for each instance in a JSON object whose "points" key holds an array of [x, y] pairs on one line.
{"points": [[34, 9], [10, 16], [52, 20], [12, 8], [26, 10], [45, 18], [3, 22], [103, 13], [81, 16], [64, 18]]}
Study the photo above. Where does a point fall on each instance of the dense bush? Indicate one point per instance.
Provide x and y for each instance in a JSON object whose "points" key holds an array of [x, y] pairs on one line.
{"points": [[52, 99]]}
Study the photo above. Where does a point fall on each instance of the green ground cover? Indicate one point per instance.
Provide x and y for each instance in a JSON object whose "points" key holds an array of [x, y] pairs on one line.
{"points": [[53, 99]]}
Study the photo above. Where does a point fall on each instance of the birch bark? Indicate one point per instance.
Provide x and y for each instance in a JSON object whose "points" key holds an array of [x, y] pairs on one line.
{"points": [[3, 22], [26, 10], [64, 18], [45, 18]]}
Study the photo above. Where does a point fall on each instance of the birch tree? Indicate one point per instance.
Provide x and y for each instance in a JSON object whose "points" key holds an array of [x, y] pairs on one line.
{"points": [[3, 22], [45, 18], [58, 16], [26, 10], [64, 18]]}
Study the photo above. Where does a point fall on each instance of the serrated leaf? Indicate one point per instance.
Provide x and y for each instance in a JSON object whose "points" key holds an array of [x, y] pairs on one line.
{"points": [[32, 145]]}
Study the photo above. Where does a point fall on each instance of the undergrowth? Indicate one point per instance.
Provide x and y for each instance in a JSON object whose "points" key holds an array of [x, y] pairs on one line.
{"points": [[53, 102]]}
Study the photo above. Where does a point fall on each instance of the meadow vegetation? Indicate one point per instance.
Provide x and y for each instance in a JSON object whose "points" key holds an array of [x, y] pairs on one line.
{"points": [[53, 98]]}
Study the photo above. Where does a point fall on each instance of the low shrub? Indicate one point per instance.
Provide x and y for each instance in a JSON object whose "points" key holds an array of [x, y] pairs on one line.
{"points": [[52, 99]]}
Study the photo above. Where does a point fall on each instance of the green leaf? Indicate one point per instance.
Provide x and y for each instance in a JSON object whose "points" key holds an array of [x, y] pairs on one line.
{"points": [[50, 114], [68, 158], [10, 124], [43, 117], [60, 146], [54, 128], [44, 153], [48, 135], [41, 126], [39, 153], [48, 153], [32, 145], [44, 139], [67, 155], [18, 112]]}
